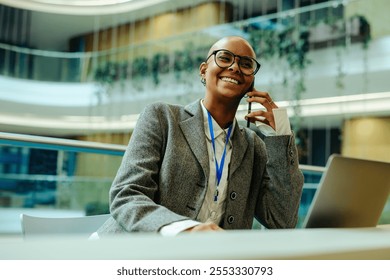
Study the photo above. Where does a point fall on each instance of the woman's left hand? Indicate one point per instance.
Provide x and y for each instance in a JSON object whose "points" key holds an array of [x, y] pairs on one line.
{"points": [[266, 117]]}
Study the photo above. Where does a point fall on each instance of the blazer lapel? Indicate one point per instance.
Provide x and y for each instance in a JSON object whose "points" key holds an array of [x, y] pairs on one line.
{"points": [[240, 145], [193, 130]]}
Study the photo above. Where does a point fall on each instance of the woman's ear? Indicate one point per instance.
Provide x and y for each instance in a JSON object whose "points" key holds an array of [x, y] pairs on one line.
{"points": [[202, 68], [202, 73]]}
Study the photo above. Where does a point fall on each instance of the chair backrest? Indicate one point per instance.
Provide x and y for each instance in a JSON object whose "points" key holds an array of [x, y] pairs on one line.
{"points": [[33, 226]]}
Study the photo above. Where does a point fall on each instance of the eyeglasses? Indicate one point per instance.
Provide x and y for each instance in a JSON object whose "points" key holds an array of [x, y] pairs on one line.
{"points": [[224, 59]]}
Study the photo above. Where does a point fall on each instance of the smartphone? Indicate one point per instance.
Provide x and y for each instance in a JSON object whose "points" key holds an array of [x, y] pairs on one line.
{"points": [[248, 123]]}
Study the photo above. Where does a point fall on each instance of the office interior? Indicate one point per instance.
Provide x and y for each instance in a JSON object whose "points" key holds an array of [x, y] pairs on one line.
{"points": [[75, 75]]}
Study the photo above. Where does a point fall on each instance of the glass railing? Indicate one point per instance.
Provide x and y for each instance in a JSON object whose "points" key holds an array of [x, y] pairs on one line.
{"points": [[157, 57], [312, 175], [54, 176]]}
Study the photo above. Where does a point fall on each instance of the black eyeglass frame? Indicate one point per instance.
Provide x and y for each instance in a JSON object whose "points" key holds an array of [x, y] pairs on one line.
{"points": [[258, 65]]}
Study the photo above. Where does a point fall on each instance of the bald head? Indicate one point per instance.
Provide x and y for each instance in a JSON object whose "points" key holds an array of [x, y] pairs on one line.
{"points": [[233, 42]]}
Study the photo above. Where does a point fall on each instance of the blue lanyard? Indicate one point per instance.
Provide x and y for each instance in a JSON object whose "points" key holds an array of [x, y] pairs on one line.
{"points": [[218, 167]]}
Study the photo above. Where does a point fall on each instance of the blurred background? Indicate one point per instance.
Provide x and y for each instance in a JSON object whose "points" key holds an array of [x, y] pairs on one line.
{"points": [[74, 75]]}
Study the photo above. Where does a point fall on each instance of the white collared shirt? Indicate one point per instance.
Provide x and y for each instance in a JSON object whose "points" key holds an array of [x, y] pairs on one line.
{"points": [[212, 211]]}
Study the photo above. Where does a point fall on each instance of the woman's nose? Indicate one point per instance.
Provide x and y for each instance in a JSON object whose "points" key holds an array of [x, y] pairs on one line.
{"points": [[235, 66]]}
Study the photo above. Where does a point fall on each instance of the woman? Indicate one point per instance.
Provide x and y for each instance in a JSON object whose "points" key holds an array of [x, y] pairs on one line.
{"points": [[193, 168]]}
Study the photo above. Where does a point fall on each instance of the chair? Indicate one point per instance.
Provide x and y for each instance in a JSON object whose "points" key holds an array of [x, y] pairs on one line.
{"points": [[35, 227]]}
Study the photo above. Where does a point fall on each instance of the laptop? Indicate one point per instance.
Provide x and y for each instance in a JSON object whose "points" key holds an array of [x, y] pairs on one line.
{"points": [[352, 193]]}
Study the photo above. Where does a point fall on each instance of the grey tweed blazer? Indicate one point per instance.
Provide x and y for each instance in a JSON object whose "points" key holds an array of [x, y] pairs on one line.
{"points": [[165, 169]]}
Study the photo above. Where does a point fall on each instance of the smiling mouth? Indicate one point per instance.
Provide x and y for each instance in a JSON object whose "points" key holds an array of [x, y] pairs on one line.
{"points": [[230, 80]]}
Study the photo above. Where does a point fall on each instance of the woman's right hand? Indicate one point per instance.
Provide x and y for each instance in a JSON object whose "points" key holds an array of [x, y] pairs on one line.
{"points": [[204, 227]]}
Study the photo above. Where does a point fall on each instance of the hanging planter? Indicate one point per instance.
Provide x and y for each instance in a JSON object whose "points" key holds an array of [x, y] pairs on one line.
{"points": [[184, 61]]}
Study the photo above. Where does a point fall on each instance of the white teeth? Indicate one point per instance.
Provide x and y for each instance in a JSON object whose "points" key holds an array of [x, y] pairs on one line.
{"points": [[230, 80]]}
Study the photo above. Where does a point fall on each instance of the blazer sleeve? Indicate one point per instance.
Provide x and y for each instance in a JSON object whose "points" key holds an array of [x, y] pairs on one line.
{"points": [[281, 184], [135, 188]]}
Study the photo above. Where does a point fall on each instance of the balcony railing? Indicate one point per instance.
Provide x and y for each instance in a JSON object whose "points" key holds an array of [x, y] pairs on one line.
{"points": [[85, 65]]}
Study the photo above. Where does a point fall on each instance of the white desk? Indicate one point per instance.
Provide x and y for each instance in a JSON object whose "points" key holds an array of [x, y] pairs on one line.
{"points": [[366, 243]]}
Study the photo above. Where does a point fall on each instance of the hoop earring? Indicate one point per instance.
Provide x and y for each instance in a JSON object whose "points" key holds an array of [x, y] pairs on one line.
{"points": [[203, 81]]}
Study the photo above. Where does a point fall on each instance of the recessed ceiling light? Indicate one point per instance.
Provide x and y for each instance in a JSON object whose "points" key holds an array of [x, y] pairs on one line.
{"points": [[83, 7], [84, 2]]}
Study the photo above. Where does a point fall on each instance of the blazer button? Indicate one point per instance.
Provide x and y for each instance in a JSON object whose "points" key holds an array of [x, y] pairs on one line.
{"points": [[291, 153], [230, 219], [233, 195], [292, 162]]}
